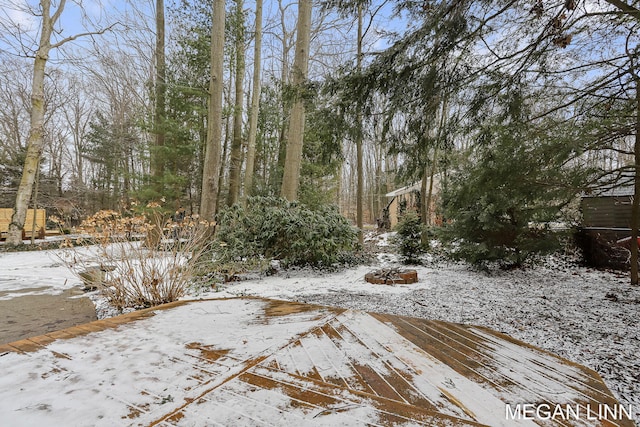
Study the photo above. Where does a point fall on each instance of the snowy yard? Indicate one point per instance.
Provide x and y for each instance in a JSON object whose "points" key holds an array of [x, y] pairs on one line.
{"points": [[559, 307], [588, 316]]}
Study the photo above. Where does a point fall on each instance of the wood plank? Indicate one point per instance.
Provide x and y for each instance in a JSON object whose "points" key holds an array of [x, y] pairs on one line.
{"points": [[253, 361]]}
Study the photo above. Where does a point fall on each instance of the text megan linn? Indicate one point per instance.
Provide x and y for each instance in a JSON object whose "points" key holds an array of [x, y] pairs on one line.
{"points": [[544, 411]]}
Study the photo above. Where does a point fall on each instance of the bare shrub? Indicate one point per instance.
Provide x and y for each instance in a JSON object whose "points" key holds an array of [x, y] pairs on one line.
{"points": [[131, 274]]}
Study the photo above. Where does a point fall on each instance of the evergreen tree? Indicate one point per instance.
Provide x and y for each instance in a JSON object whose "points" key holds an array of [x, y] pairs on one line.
{"points": [[515, 182]]}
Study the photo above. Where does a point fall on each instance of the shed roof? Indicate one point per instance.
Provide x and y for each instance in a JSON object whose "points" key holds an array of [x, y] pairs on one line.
{"points": [[621, 187], [619, 191], [413, 187], [404, 190]]}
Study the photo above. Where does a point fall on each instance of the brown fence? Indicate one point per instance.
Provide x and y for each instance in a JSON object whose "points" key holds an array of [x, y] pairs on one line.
{"points": [[41, 219]]}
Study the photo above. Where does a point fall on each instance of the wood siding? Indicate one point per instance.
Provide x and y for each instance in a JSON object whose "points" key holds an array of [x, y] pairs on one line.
{"points": [[5, 219], [607, 212]]}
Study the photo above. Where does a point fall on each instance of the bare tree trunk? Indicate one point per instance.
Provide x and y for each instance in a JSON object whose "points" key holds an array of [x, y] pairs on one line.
{"points": [[160, 94], [635, 207], [209, 203], [423, 192], [434, 161], [359, 159], [276, 177], [35, 143], [36, 132], [379, 180], [255, 103], [236, 143], [225, 148], [293, 159], [430, 192], [35, 207]]}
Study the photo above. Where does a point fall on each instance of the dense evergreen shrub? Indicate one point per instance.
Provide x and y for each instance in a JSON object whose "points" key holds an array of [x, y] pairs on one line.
{"points": [[274, 228], [410, 238], [502, 205]]}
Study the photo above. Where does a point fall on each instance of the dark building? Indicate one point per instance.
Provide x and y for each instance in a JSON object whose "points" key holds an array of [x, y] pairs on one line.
{"points": [[608, 213], [606, 226]]}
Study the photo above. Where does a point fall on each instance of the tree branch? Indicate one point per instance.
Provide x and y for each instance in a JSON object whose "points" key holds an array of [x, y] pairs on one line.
{"points": [[74, 37], [626, 8], [58, 12]]}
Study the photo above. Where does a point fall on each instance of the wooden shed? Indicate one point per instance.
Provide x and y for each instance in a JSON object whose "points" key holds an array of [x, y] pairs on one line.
{"points": [[608, 213], [41, 220], [407, 199]]}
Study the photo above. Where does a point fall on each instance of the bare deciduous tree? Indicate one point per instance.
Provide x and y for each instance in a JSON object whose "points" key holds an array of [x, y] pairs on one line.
{"points": [[35, 144], [255, 102], [293, 159], [208, 204], [236, 142]]}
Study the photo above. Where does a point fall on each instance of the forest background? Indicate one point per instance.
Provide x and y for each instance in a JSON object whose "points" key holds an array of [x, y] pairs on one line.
{"points": [[518, 107]]}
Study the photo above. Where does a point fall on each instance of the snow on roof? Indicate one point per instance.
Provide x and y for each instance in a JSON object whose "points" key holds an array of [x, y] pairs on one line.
{"points": [[413, 187], [250, 361], [621, 191], [622, 186], [404, 190]]}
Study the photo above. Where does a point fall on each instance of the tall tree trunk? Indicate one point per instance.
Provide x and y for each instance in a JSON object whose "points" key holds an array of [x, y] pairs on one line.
{"points": [[35, 207], [35, 143], [293, 160], [434, 161], [236, 143], [125, 146], [255, 103], [377, 183], [359, 159], [208, 203], [276, 175], [160, 94], [225, 148], [635, 207], [432, 175], [423, 192]]}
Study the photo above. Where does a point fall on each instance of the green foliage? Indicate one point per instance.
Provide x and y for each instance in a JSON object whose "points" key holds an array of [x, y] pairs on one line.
{"points": [[110, 146], [322, 157], [518, 181], [410, 238], [274, 228]]}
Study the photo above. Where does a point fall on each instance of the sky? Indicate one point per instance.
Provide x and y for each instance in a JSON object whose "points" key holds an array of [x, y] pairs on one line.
{"points": [[18, 23]]}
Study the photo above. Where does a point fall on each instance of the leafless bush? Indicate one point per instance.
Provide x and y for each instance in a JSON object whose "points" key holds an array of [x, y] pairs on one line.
{"points": [[128, 272]]}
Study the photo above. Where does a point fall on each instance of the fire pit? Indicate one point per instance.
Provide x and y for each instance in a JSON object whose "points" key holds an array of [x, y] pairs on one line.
{"points": [[392, 276]]}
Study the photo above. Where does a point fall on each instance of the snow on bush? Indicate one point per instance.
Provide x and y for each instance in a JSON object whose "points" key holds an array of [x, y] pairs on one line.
{"points": [[130, 273]]}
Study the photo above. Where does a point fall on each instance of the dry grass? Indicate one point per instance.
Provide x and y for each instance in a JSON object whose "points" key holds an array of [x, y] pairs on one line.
{"points": [[130, 273]]}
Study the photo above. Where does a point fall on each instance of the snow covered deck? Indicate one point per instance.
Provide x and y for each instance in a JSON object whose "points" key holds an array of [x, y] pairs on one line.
{"points": [[251, 361]]}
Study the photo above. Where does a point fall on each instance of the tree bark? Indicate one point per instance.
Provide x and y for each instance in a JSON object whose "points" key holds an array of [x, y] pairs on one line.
{"points": [[276, 176], [160, 94], [635, 207], [35, 143], [359, 156], [209, 204], [236, 143], [424, 210], [429, 197], [255, 104], [293, 159]]}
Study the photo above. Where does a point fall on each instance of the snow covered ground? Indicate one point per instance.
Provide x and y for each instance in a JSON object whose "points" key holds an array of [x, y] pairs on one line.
{"points": [[588, 316]]}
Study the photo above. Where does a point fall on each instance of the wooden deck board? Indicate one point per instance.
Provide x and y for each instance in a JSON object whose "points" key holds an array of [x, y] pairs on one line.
{"points": [[250, 361]]}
